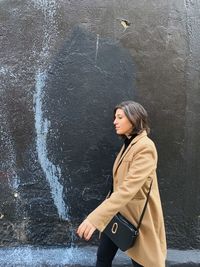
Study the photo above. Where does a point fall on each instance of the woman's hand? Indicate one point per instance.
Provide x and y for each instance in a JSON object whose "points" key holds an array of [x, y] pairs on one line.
{"points": [[86, 229]]}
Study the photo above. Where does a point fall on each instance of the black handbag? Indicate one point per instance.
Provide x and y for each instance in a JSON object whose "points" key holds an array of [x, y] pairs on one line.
{"points": [[122, 232]]}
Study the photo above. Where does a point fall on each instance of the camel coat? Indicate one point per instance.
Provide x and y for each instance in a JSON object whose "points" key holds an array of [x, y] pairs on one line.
{"points": [[132, 175]]}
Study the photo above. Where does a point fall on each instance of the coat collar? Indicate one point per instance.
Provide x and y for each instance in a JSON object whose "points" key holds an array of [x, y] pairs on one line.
{"points": [[119, 157], [138, 137]]}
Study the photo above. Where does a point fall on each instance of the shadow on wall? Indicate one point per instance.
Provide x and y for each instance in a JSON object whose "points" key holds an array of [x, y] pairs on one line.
{"points": [[89, 76]]}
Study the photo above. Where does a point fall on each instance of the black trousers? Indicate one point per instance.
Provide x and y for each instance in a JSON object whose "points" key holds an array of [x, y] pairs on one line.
{"points": [[106, 253]]}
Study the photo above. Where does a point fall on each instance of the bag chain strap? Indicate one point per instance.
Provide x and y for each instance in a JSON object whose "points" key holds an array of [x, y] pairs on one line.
{"points": [[145, 206]]}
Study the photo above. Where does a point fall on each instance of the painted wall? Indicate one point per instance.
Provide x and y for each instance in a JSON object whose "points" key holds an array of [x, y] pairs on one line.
{"points": [[64, 65]]}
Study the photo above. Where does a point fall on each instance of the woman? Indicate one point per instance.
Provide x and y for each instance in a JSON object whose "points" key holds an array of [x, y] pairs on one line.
{"points": [[133, 171]]}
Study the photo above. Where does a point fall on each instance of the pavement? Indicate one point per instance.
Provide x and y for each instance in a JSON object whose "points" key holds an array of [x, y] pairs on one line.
{"points": [[29, 256]]}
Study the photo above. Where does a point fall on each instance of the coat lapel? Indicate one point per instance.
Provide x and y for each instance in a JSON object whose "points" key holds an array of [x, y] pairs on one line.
{"points": [[119, 157]]}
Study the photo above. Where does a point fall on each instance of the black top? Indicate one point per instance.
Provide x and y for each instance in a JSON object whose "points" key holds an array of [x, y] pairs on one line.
{"points": [[127, 141]]}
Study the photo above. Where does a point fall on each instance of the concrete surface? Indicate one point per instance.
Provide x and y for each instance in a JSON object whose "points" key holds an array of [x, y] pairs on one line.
{"points": [[85, 257]]}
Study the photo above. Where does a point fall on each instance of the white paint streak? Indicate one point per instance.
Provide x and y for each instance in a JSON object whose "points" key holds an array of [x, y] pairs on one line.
{"points": [[9, 162], [3, 71], [97, 49], [15, 181], [7, 71], [47, 7], [52, 172]]}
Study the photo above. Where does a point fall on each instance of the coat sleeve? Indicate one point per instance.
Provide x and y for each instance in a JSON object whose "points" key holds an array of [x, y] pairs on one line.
{"points": [[143, 164]]}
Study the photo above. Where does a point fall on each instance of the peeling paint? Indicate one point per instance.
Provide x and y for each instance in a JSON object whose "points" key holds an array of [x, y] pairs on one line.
{"points": [[125, 23]]}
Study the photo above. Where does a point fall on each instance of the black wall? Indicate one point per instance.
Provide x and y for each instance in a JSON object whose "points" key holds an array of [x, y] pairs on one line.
{"points": [[64, 65]]}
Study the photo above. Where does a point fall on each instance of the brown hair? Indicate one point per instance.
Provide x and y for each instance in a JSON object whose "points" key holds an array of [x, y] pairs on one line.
{"points": [[136, 114]]}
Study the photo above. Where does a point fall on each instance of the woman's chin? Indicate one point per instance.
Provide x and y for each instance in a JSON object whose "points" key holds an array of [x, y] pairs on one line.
{"points": [[119, 132]]}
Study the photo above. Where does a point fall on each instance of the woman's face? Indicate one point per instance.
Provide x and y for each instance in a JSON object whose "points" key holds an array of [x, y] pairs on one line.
{"points": [[122, 124]]}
